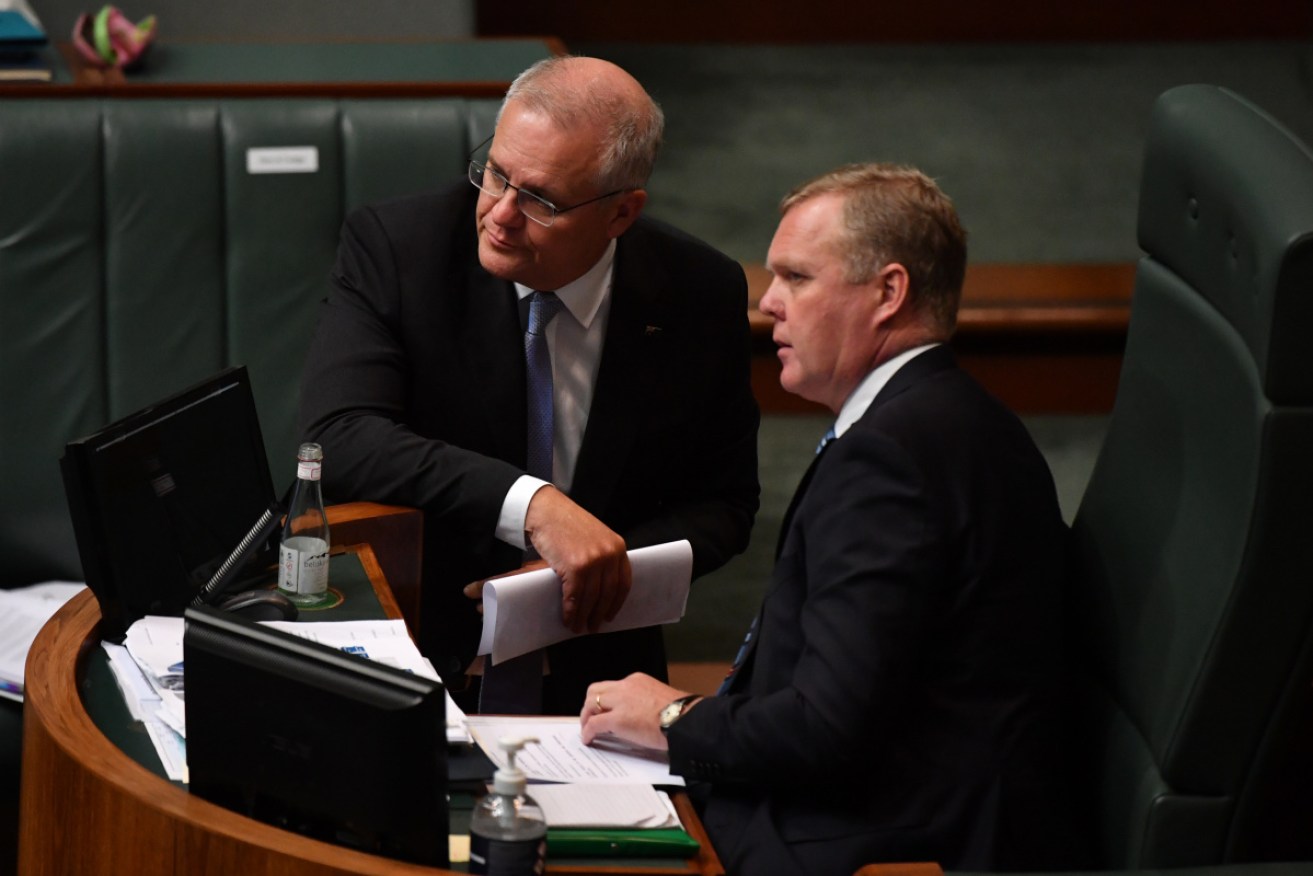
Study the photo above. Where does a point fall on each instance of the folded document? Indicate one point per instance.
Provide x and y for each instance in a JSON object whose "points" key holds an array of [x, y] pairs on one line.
{"points": [[522, 613]]}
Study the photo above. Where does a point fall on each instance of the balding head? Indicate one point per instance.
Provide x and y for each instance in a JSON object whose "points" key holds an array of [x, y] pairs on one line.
{"points": [[580, 92]]}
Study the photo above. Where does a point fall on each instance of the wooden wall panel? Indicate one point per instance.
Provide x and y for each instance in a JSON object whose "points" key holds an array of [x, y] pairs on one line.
{"points": [[926, 21]]}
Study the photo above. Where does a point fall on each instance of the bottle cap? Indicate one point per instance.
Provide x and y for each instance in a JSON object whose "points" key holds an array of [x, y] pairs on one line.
{"points": [[310, 451], [510, 779]]}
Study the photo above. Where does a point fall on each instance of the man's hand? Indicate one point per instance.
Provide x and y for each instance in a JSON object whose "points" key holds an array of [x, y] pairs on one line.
{"points": [[474, 589], [629, 709], [588, 557]]}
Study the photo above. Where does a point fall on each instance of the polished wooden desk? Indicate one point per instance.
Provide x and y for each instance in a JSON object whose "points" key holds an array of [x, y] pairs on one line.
{"points": [[88, 807]]}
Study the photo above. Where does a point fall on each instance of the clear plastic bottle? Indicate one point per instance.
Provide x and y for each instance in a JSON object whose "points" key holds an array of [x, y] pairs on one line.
{"points": [[508, 833], [303, 549]]}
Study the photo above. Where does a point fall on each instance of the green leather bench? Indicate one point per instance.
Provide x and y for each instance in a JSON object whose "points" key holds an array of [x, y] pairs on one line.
{"points": [[139, 253]]}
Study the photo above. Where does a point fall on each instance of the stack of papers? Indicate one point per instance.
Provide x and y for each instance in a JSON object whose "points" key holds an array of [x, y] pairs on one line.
{"points": [[150, 672], [561, 756], [522, 613], [598, 800], [23, 612], [608, 806]]}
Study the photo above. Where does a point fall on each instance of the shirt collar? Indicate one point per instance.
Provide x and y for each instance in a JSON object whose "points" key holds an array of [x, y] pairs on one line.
{"points": [[870, 387], [583, 297]]}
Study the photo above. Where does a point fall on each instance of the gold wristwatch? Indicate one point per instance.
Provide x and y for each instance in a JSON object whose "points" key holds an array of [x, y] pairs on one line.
{"points": [[673, 712]]}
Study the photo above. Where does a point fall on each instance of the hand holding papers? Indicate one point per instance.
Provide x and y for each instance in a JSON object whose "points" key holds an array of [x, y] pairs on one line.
{"points": [[522, 612]]}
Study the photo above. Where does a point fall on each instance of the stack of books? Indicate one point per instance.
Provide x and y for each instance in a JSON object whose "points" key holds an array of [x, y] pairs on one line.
{"points": [[23, 53]]}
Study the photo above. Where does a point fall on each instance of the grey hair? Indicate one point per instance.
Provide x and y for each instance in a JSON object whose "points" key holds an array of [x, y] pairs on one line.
{"points": [[634, 129]]}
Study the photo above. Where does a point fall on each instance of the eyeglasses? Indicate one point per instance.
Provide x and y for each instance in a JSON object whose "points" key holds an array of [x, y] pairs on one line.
{"points": [[540, 210]]}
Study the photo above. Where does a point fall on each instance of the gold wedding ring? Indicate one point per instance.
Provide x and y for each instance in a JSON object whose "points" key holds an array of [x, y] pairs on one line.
{"points": [[597, 698]]}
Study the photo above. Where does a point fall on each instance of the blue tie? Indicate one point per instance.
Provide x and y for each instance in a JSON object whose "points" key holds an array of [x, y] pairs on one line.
{"points": [[752, 629], [543, 307], [825, 439], [514, 687]]}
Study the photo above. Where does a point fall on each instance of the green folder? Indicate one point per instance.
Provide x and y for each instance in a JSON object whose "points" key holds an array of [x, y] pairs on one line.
{"points": [[574, 842]]}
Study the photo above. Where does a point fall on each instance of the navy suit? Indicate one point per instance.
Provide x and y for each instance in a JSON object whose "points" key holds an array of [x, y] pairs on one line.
{"points": [[415, 386], [901, 688]]}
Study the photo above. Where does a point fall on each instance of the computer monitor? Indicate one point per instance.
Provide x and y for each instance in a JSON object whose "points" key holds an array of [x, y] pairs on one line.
{"points": [[315, 740], [160, 498]]}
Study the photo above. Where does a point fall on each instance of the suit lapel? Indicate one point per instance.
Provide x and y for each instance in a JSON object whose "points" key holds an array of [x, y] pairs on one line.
{"points": [[919, 367], [633, 333], [493, 344], [797, 498]]}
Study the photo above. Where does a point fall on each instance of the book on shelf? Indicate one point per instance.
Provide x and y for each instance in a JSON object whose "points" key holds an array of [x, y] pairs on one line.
{"points": [[23, 41], [20, 29], [26, 67]]}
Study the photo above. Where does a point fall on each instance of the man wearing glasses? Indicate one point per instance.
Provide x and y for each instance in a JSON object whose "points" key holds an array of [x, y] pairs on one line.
{"points": [[425, 382]]}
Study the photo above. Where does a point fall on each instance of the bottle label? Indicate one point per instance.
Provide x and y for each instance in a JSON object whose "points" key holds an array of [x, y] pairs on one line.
{"points": [[507, 858], [308, 469], [303, 565]]}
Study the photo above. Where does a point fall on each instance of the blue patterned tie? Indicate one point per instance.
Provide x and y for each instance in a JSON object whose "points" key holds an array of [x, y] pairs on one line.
{"points": [[752, 629], [543, 307], [514, 687]]}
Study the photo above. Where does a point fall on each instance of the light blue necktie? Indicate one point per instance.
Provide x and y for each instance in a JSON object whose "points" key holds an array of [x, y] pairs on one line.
{"points": [[514, 687], [752, 629]]}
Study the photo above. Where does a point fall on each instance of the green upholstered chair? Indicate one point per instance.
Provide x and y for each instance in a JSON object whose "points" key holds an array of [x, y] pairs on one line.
{"points": [[1193, 602], [1193, 545]]}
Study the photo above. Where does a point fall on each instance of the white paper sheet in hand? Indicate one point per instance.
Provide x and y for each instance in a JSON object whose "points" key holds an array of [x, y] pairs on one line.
{"points": [[523, 612]]}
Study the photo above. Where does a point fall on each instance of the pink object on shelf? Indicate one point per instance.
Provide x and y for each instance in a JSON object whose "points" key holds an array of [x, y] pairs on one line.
{"points": [[109, 39]]}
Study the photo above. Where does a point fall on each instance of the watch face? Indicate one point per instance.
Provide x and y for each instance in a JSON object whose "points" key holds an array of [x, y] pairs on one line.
{"points": [[670, 714]]}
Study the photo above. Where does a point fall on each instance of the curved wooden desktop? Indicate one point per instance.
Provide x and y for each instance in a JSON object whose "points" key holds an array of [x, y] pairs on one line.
{"points": [[87, 807]]}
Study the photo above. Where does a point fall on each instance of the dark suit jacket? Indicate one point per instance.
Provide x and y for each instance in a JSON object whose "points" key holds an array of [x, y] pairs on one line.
{"points": [[415, 387], [896, 703]]}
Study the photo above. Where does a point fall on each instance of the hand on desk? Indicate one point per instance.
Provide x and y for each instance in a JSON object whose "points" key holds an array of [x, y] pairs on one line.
{"points": [[627, 709], [587, 556]]}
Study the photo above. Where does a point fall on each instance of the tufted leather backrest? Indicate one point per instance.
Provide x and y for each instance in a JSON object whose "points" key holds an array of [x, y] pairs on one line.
{"points": [[139, 254], [1195, 603]]}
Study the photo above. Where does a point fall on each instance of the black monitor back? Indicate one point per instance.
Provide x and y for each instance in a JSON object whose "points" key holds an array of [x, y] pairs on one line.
{"points": [[314, 740], [160, 498]]}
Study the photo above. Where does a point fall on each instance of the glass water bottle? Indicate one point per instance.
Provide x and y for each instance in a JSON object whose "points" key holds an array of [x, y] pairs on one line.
{"points": [[303, 551]]}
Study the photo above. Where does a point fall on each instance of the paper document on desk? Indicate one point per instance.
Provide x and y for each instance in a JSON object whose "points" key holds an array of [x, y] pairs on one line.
{"points": [[155, 643], [522, 613], [561, 756], [23, 612], [634, 807], [383, 641]]}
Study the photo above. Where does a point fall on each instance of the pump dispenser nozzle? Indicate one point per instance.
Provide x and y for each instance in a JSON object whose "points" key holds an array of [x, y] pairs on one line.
{"points": [[510, 779], [508, 834]]}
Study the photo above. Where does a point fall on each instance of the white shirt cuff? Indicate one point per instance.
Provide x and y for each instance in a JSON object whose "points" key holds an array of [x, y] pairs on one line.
{"points": [[514, 508]]}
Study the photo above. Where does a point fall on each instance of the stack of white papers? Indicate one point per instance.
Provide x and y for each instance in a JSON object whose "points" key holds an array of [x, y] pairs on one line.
{"points": [[23, 612], [599, 786], [605, 807], [150, 673], [522, 613], [561, 756]]}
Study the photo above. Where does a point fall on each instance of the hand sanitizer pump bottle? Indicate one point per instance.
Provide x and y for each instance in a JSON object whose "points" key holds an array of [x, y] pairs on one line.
{"points": [[303, 550], [508, 833]]}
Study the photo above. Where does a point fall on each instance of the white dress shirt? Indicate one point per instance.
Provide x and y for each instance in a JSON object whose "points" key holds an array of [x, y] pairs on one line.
{"points": [[574, 339], [860, 399]]}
